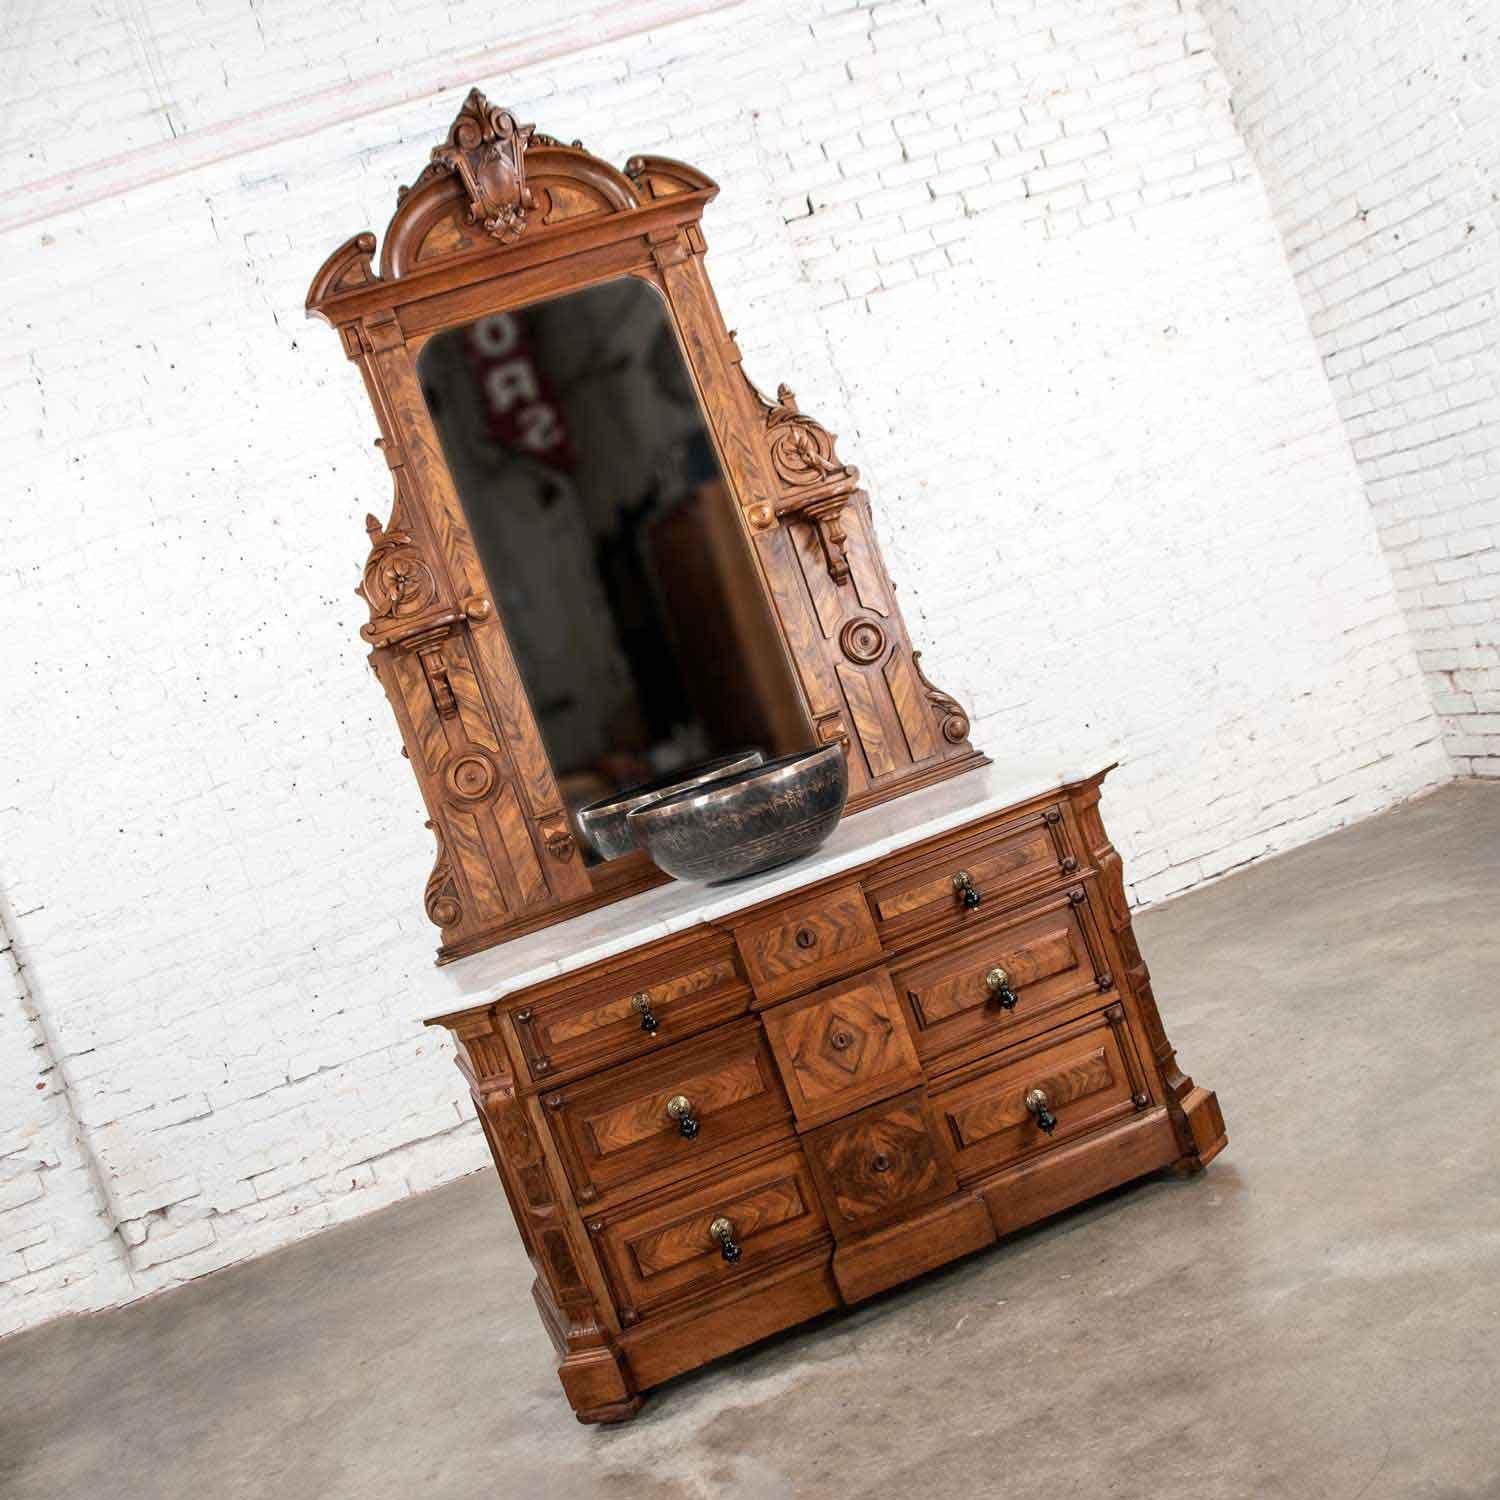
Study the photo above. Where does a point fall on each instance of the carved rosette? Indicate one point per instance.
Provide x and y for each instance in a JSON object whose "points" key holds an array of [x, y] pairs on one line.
{"points": [[397, 583], [817, 485], [486, 148]]}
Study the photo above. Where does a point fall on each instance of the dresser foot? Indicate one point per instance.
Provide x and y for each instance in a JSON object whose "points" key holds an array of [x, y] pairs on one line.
{"points": [[597, 1385], [612, 1414], [1205, 1123]]}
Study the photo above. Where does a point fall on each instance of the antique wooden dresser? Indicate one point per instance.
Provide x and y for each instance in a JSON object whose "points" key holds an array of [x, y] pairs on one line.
{"points": [[716, 1111]]}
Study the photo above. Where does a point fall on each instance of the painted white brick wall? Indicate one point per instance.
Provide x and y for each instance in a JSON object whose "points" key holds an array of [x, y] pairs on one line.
{"points": [[1376, 126], [1014, 253]]}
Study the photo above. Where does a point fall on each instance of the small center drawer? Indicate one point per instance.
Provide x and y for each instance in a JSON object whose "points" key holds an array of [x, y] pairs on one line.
{"points": [[914, 898], [842, 1046], [1066, 1082], [600, 1019], [1015, 970], [797, 947], [880, 1163], [711, 1237], [661, 1118]]}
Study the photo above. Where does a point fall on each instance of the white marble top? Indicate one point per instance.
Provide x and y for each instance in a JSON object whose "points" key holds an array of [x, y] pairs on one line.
{"points": [[485, 977]]}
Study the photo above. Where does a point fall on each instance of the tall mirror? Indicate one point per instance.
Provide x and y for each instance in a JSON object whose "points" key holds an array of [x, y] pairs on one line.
{"points": [[610, 538]]}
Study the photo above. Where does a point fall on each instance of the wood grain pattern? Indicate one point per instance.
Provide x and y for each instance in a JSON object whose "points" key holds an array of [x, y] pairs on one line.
{"points": [[842, 1046], [804, 942], [1053, 954], [503, 215], [919, 893], [1083, 1070], [613, 1132], [659, 1255], [886, 1160]]}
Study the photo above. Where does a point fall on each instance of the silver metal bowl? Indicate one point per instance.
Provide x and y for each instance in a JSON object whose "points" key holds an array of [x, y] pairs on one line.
{"points": [[603, 824], [747, 821]]}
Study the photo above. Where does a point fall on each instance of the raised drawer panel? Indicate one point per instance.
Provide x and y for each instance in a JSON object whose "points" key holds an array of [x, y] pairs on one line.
{"points": [[800, 946], [607, 1019], [915, 898], [881, 1163], [1017, 969], [842, 1046], [1080, 1076], [621, 1130], [666, 1252]]}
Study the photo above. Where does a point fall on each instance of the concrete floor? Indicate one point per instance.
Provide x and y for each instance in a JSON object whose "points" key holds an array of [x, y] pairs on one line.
{"points": [[1317, 1316]]}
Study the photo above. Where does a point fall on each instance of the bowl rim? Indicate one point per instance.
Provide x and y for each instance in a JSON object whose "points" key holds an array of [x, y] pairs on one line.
{"points": [[771, 770], [683, 778]]}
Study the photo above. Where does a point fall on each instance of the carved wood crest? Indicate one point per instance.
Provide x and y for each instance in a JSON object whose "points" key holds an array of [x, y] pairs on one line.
{"points": [[486, 147]]}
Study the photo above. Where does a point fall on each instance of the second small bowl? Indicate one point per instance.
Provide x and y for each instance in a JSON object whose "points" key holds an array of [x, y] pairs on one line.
{"points": [[603, 824], [747, 821]]}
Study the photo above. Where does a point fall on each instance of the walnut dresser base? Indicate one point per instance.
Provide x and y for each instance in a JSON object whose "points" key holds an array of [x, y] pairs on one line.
{"points": [[717, 1112]]}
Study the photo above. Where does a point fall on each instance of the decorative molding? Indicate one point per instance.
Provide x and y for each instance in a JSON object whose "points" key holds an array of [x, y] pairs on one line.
{"points": [[441, 897], [862, 641], [953, 720]]}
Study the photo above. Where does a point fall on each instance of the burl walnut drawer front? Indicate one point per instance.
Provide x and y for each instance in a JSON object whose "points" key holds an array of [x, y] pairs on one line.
{"points": [[965, 879], [1066, 1082], [711, 1236], [797, 947], [661, 1118], [603, 1020], [1014, 971], [842, 1046], [881, 1163]]}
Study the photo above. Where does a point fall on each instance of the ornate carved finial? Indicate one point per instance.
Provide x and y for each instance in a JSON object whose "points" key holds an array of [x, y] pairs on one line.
{"points": [[486, 147]]}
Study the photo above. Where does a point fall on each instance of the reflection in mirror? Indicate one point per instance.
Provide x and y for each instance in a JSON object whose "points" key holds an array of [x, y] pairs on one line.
{"points": [[627, 588]]}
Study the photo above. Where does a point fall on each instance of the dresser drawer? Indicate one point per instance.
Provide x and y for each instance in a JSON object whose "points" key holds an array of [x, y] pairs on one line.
{"points": [[881, 1163], [967, 878], [799, 946], [1043, 1093], [606, 1018], [1017, 969], [662, 1118], [711, 1236], [842, 1046]]}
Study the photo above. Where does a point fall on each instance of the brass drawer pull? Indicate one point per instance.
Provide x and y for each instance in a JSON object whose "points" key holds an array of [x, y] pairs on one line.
{"points": [[680, 1108], [997, 982], [722, 1230], [1036, 1102], [964, 889], [641, 1005]]}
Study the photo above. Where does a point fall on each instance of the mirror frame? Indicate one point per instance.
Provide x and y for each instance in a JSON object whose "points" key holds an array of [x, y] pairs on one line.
{"points": [[503, 216]]}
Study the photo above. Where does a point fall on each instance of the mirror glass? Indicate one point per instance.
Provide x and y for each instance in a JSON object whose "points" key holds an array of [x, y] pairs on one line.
{"points": [[620, 568]]}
